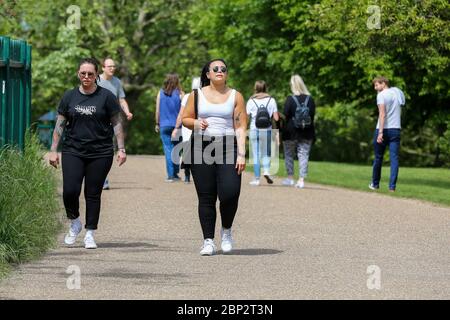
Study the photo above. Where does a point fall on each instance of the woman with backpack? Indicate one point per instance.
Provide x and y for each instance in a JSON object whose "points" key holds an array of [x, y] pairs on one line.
{"points": [[261, 107], [299, 133]]}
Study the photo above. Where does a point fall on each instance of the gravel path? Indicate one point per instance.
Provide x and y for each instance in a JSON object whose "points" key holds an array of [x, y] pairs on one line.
{"points": [[317, 243]]}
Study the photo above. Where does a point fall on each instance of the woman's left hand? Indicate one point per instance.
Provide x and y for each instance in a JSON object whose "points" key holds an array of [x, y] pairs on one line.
{"points": [[240, 164], [121, 157]]}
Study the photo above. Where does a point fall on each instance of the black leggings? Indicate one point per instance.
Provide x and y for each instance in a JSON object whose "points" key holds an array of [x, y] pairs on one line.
{"points": [[94, 172], [217, 180]]}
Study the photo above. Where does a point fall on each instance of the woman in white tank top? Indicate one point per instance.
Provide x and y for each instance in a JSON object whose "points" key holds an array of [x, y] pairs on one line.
{"points": [[221, 115]]}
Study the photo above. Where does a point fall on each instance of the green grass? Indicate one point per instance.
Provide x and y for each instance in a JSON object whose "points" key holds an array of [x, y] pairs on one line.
{"points": [[29, 220], [429, 184]]}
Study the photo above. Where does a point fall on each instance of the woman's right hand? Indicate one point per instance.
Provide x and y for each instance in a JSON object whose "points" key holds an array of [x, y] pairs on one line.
{"points": [[200, 124], [53, 159]]}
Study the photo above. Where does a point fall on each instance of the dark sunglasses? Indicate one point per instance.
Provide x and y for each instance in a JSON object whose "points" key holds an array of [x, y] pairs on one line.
{"points": [[222, 68], [84, 74]]}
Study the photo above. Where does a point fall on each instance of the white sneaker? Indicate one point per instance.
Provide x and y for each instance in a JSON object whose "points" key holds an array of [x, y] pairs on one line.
{"points": [[255, 182], [106, 184], [209, 248], [227, 241], [89, 242], [300, 184], [288, 182], [74, 231]]}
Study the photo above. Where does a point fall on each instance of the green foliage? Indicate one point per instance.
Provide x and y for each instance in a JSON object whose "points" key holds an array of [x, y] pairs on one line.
{"points": [[28, 205], [343, 129], [336, 46]]}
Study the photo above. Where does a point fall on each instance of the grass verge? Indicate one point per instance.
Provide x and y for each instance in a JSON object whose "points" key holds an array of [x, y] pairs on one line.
{"points": [[29, 220]]}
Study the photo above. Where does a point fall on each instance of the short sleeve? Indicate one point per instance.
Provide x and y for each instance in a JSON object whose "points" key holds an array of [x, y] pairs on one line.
{"points": [[112, 106], [64, 104], [121, 92], [185, 99], [248, 107], [273, 103], [380, 99]]}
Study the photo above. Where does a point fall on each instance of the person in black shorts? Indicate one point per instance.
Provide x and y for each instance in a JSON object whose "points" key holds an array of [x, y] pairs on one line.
{"points": [[88, 116]]}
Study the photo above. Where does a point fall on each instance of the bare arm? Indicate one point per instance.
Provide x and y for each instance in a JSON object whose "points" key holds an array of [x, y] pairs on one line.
{"points": [[125, 108], [120, 136], [188, 117], [240, 125], [381, 118], [157, 113], [61, 122], [276, 116]]}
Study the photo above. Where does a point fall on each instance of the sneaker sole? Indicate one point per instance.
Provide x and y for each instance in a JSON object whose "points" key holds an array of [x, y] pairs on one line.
{"points": [[69, 243]]}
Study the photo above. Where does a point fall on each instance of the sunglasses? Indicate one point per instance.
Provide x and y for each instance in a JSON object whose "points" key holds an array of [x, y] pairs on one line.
{"points": [[223, 69], [83, 74]]}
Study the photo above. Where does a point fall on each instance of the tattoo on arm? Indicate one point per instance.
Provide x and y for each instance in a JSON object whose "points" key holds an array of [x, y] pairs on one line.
{"points": [[60, 125], [238, 117], [118, 130], [57, 132]]}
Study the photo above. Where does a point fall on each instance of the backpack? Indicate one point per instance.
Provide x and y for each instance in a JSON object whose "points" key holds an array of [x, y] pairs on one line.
{"points": [[262, 119], [302, 117]]}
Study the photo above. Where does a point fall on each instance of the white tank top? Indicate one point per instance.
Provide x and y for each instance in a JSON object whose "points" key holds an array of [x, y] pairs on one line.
{"points": [[218, 115]]}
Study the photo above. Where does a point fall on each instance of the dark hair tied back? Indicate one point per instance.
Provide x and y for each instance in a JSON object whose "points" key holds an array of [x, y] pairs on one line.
{"points": [[203, 78]]}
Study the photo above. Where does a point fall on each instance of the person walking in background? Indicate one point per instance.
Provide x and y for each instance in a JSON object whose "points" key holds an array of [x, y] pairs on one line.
{"points": [[108, 81], [218, 151], [387, 132], [87, 115], [299, 134], [261, 107], [185, 132], [168, 104]]}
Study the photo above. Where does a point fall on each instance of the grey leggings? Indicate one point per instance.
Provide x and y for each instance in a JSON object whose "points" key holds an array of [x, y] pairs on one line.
{"points": [[303, 147]]}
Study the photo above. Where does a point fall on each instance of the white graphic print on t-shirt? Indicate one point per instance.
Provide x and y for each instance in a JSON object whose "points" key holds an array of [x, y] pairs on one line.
{"points": [[86, 110]]}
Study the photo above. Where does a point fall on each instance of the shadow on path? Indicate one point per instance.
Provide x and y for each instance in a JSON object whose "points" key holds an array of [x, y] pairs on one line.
{"points": [[253, 252]]}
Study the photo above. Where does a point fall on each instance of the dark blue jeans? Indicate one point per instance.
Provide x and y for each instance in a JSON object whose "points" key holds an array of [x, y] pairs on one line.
{"points": [[391, 139], [166, 138]]}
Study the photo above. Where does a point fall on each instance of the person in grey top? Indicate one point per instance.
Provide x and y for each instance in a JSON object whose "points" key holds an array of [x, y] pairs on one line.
{"points": [[108, 81], [387, 133]]}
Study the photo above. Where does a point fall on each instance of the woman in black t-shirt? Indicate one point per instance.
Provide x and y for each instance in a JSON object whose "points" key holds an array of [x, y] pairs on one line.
{"points": [[299, 132], [88, 115]]}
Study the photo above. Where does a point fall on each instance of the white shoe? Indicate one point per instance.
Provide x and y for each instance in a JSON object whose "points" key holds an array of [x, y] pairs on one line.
{"points": [[89, 242], [255, 182], [227, 240], [74, 231], [209, 248], [288, 182], [300, 184]]}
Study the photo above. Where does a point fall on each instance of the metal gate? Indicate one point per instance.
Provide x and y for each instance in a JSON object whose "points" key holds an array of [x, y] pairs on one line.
{"points": [[15, 89]]}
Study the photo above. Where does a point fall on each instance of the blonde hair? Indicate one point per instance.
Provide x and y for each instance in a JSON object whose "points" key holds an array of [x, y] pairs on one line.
{"points": [[298, 86], [196, 83]]}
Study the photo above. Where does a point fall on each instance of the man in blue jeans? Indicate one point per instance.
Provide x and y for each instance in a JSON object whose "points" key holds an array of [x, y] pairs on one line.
{"points": [[387, 133]]}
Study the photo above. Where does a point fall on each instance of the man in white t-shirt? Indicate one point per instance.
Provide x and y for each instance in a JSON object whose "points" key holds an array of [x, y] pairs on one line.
{"points": [[387, 133], [261, 130]]}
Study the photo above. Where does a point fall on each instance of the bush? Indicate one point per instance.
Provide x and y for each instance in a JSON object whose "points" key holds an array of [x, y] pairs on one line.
{"points": [[343, 134], [28, 205]]}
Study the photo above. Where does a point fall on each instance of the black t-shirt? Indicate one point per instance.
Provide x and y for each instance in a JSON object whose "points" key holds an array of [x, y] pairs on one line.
{"points": [[88, 131], [290, 132]]}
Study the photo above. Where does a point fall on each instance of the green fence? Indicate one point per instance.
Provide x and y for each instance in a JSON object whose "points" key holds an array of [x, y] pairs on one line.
{"points": [[15, 89]]}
